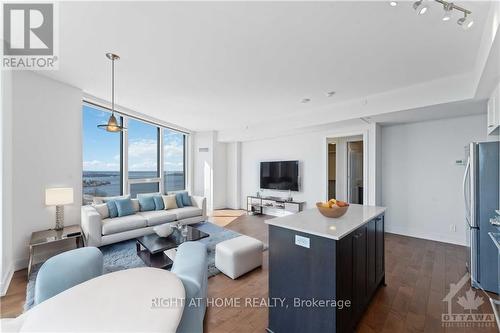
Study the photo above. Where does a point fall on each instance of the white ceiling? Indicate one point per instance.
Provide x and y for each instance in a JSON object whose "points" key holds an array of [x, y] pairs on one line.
{"points": [[228, 65]]}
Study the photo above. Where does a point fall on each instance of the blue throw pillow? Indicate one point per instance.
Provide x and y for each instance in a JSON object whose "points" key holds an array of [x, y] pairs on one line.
{"points": [[178, 200], [113, 210], [186, 200], [158, 202], [124, 207], [146, 203]]}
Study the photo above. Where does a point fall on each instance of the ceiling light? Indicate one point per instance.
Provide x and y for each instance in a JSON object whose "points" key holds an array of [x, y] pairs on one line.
{"points": [[305, 100], [447, 11], [330, 93], [420, 7], [112, 124], [465, 22]]}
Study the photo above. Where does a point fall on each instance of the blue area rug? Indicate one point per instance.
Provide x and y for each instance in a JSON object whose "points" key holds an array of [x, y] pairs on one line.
{"points": [[122, 255]]}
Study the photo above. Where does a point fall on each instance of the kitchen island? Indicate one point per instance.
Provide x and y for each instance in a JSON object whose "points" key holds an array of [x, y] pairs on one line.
{"points": [[325, 269]]}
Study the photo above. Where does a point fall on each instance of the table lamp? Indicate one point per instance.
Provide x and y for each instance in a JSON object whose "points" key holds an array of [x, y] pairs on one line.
{"points": [[59, 197]]}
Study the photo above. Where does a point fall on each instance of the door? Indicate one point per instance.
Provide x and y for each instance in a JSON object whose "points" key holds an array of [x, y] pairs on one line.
{"points": [[487, 184], [355, 172], [379, 248], [332, 170], [359, 276], [371, 255], [474, 256]]}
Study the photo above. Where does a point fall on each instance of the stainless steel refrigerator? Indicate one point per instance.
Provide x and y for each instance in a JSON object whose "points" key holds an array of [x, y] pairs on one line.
{"points": [[481, 194]]}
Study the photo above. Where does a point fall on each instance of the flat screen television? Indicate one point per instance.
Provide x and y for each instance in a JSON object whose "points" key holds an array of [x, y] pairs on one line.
{"points": [[280, 175]]}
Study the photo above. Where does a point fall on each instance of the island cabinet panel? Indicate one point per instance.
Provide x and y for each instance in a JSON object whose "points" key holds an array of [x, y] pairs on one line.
{"points": [[360, 273], [301, 274], [304, 266], [371, 230], [380, 248], [345, 280]]}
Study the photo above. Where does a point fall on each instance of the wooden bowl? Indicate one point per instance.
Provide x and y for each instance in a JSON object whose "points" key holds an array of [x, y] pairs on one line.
{"points": [[333, 212]]}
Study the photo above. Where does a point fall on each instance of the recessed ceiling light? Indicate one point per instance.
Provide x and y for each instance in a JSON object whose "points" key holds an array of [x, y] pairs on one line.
{"points": [[420, 7], [393, 3], [330, 93], [305, 100]]}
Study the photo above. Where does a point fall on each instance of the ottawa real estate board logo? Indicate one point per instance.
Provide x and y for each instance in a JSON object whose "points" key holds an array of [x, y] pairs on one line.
{"points": [[463, 307], [29, 36]]}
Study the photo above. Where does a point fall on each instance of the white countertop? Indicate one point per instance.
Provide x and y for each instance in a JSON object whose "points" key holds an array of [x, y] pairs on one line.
{"points": [[311, 221]]}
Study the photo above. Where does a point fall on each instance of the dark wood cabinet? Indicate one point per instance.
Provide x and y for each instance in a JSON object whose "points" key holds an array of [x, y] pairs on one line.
{"points": [[371, 274], [345, 283], [360, 256], [349, 269], [379, 249], [360, 272]]}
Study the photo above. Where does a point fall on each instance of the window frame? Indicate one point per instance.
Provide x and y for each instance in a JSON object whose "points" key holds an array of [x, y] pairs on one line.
{"points": [[151, 180], [121, 120], [126, 182], [184, 161]]}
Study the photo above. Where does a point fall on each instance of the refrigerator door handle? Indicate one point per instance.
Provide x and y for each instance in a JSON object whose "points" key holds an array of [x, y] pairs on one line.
{"points": [[464, 187]]}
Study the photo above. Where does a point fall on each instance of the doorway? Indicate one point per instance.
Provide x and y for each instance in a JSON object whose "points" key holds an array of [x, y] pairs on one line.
{"points": [[332, 170], [346, 169], [355, 172]]}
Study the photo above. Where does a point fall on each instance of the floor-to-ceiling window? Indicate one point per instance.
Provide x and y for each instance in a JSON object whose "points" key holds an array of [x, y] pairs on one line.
{"points": [[143, 157], [146, 158], [174, 166], [102, 158]]}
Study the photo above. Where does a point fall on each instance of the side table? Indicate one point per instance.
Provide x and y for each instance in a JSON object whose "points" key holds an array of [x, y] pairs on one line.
{"points": [[44, 237]]}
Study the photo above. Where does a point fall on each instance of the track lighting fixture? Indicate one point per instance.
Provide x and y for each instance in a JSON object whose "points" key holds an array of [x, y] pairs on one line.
{"points": [[421, 7], [447, 11], [465, 22], [393, 3]]}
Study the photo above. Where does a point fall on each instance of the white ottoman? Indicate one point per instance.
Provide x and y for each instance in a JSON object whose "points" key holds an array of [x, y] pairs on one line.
{"points": [[237, 256]]}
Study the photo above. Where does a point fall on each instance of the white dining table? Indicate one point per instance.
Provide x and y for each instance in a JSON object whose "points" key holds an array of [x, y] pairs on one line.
{"points": [[132, 300]]}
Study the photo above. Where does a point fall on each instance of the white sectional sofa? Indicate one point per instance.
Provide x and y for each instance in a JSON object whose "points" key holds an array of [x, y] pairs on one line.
{"points": [[102, 231]]}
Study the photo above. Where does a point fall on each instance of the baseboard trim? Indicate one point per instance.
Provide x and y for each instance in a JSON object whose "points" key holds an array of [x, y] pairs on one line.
{"points": [[435, 238], [20, 264], [4, 285]]}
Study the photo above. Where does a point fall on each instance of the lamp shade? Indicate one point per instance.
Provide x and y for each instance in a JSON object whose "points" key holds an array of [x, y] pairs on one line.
{"points": [[58, 196]]}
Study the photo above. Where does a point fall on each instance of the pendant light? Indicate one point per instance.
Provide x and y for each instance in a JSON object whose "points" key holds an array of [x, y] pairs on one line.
{"points": [[112, 125]]}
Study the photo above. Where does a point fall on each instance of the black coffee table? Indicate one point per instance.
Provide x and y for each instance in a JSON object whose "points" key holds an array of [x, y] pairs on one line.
{"points": [[150, 248]]}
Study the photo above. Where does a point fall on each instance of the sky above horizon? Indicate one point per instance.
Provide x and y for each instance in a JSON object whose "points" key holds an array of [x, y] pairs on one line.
{"points": [[101, 149]]}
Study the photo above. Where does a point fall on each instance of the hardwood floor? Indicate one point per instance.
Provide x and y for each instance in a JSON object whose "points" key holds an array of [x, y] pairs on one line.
{"points": [[223, 217], [418, 277]]}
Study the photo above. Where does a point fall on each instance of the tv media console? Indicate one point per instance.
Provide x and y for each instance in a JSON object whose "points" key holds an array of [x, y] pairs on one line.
{"points": [[273, 206]]}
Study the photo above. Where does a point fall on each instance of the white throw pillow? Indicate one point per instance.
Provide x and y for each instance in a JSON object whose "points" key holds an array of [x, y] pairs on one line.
{"points": [[169, 201], [135, 204], [102, 209], [100, 200]]}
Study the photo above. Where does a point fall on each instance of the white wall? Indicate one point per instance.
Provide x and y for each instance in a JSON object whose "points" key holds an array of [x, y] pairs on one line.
{"points": [[209, 169], [233, 172], [421, 185], [46, 152], [310, 149], [220, 175], [203, 165], [6, 181]]}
